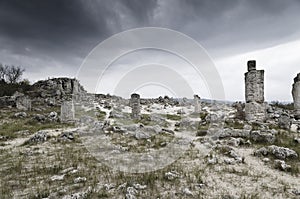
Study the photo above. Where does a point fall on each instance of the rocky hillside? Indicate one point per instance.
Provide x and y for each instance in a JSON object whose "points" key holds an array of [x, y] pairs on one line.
{"points": [[218, 153], [57, 88]]}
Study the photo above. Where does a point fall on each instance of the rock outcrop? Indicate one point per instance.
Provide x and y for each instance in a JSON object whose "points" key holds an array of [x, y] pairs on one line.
{"points": [[58, 88]]}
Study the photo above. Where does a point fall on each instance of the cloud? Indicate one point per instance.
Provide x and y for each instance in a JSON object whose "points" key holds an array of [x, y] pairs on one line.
{"points": [[52, 37]]}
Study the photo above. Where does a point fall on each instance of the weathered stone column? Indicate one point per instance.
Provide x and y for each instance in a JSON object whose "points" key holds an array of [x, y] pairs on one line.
{"points": [[197, 104], [135, 106], [255, 108], [67, 112], [23, 103], [296, 96]]}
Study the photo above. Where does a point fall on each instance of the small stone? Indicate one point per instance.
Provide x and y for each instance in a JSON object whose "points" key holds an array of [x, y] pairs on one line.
{"points": [[266, 160], [57, 177], [187, 192], [171, 175], [280, 164], [79, 180], [229, 161], [139, 187], [21, 115]]}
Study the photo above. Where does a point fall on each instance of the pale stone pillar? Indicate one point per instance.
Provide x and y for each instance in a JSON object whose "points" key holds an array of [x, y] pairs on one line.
{"points": [[67, 112], [255, 108], [197, 104], [296, 95], [135, 106]]}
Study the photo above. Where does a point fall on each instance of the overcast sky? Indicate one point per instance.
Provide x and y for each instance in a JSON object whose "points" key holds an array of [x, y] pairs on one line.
{"points": [[51, 38]]}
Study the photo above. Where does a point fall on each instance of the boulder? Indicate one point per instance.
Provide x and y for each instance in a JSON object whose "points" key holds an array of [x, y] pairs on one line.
{"points": [[263, 137], [284, 121], [20, 115], [40, 136]]}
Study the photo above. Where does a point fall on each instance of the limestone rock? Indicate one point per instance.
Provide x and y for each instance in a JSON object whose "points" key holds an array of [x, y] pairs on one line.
{"points": [[284, 121], [254, 81], [281, 165], [79, 180], [67, 112], [40, 136], [263, 137], [296, 95], [282, 153], [255, 111], [135, 106], [197, 104], [279, 152], [20, 114], [58, 88], [39, 118]]}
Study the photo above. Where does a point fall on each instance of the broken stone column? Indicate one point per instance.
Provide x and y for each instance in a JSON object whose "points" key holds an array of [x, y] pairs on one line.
{"points": [[197, 104], [296, 96], [67, 112], [23, 103], [135, 106], [255, 108]]}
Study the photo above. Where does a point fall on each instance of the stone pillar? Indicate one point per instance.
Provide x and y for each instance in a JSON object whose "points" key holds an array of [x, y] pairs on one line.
{"points": [[67, 112], [23, 103], [296, 96], [135, 106], [197, 104], [255, 108]]}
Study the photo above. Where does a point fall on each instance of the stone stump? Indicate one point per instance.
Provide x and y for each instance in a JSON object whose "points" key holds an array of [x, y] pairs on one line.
{"points": [[23, 103], [67, 112], [135, 106], [296, 96], [197, 104], [255, 108]]}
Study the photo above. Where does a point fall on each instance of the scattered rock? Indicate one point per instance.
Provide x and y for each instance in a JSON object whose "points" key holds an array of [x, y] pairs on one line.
{"points": [[296, 192], [20, 115], [284, 122], [187, 191], [266, 159], [109, 186], [297, 140], [57, 177], [139, 187], [229, 161], [171, 175], [278, 152], [263, 137], [131, 192], [79, 180], [53, 115], [281, 165], [261, 152], [40, 118], [281, 152], [40, 136], [67, 136]]}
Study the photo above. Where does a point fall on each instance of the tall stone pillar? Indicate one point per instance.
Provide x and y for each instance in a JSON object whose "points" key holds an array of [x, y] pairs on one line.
{"points": [[135, 106], [255, 108], [296, 96], [67, 112], [197, 104]]}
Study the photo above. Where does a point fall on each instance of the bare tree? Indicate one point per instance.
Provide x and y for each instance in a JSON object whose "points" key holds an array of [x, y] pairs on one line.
{"points": [[13, 73], [2, 72]]}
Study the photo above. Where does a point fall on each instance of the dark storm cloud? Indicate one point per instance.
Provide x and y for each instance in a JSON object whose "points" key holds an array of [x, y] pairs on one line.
{"points": [[75, 26], [43, 33]]}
